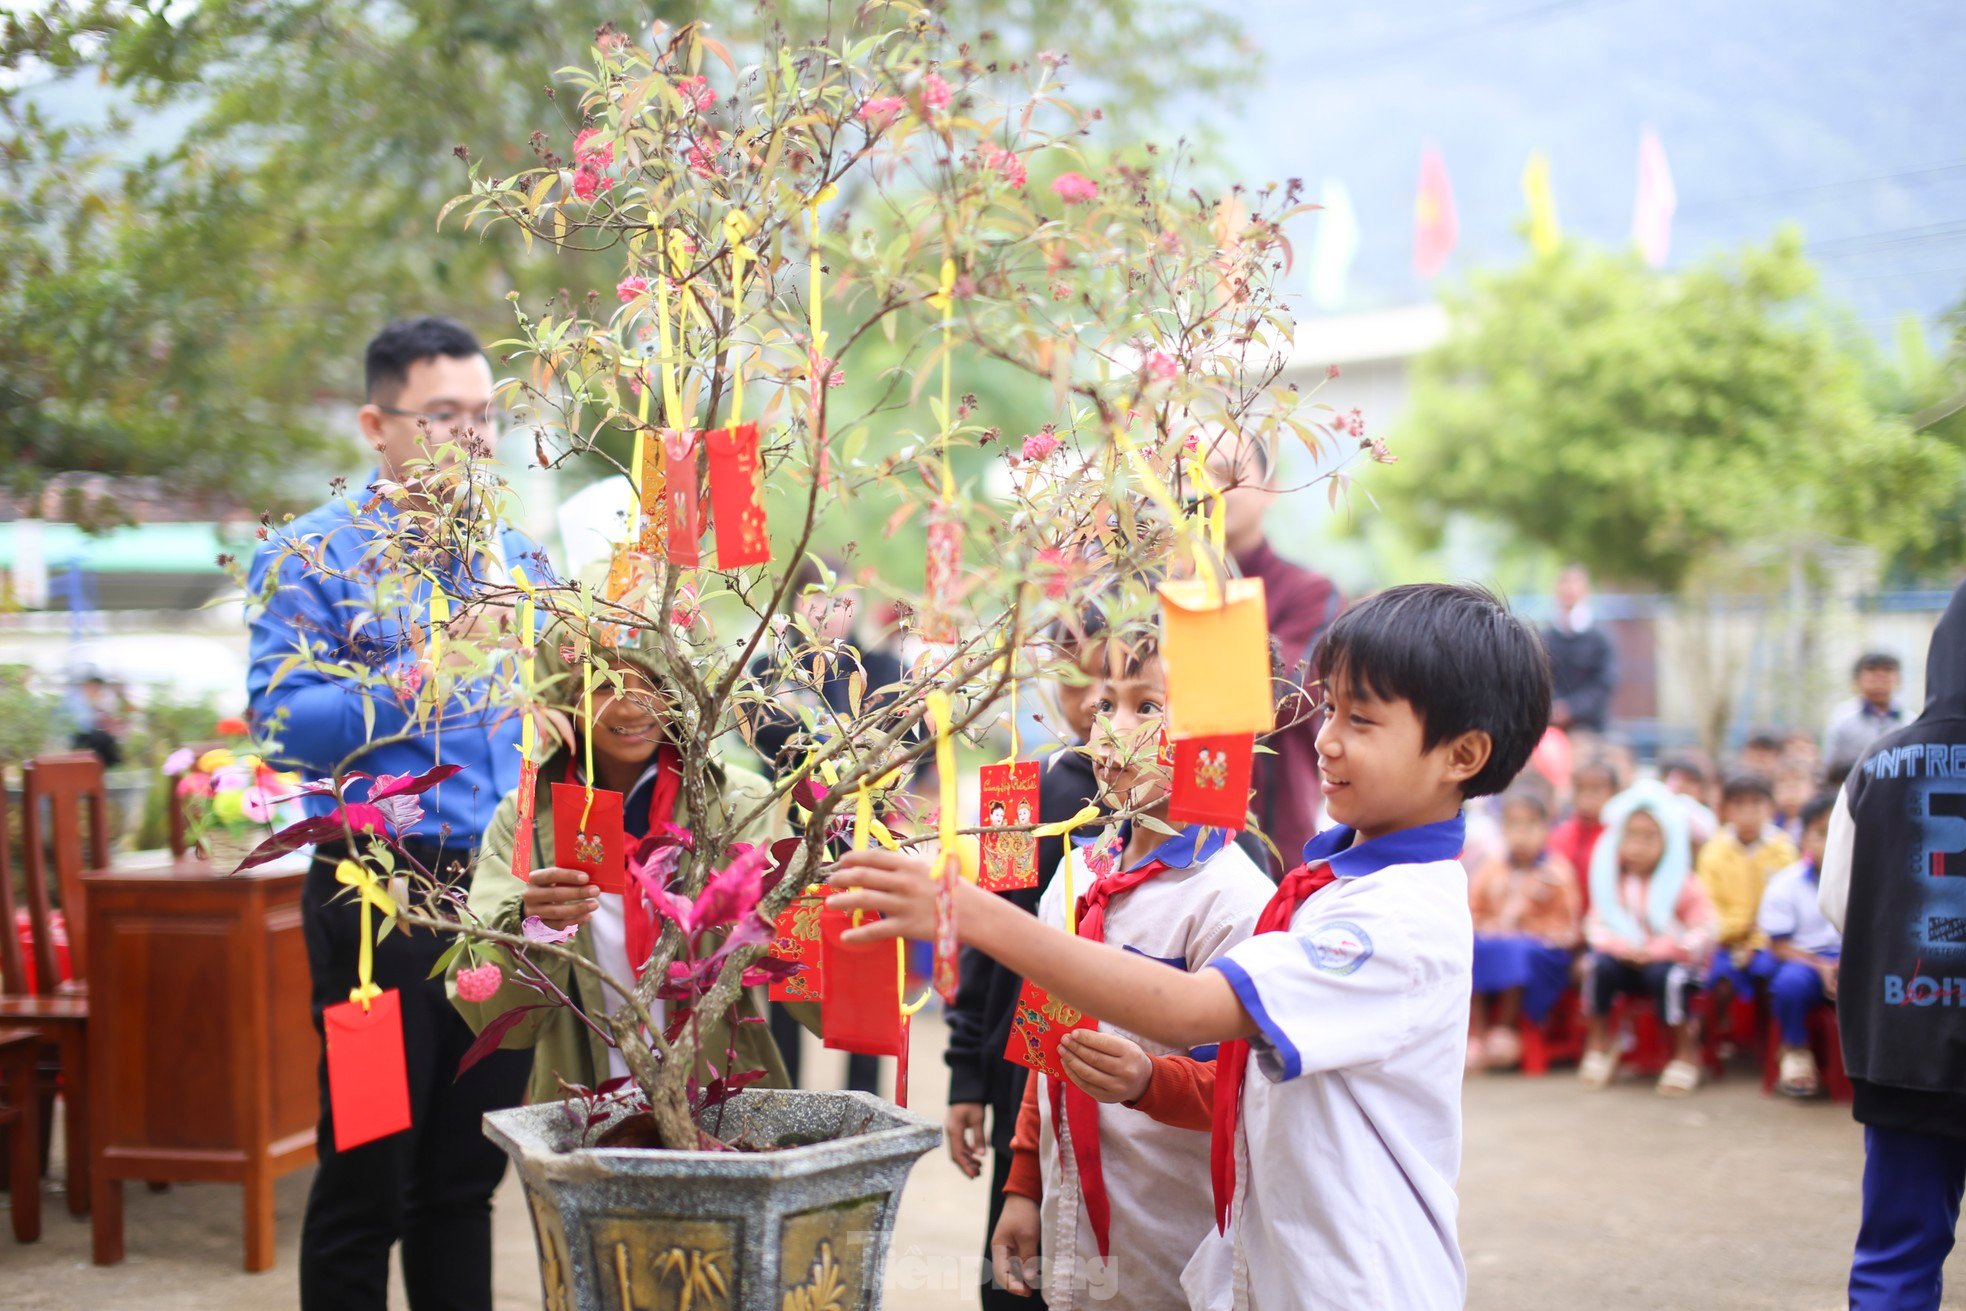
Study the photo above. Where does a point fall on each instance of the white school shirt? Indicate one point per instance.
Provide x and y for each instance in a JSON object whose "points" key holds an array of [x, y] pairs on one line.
{"points": [[1156, 1175], [1349, 1141], [1791, 910]]}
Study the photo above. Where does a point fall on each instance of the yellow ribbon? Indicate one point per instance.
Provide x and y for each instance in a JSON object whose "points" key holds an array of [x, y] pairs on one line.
{"points": [[587, 725], [947, 300], [672, 402], [440, 614], [816, 294], [737, 227], [528, 674], [370, 893]]}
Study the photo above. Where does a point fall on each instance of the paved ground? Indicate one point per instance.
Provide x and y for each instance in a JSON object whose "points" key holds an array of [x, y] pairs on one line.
{"points": [[1608, 1201]]}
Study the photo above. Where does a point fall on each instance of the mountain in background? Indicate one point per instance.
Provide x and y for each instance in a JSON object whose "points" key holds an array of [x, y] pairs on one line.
{"points": [[1849, 120]]}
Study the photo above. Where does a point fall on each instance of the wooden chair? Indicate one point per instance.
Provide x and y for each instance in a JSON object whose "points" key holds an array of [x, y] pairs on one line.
{"points": [[20, 1115], [57, 1010]]}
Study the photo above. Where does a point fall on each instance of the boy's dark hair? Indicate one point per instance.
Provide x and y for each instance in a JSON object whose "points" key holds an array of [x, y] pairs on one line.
{"points": [[1460, 657], [1875, 660], [1745, 786], [1815, 808], [391, 352], [1684, 764], [1765, 741]]}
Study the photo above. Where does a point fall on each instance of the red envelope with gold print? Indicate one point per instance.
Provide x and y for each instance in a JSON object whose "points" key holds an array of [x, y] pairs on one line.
{"points": [[522, 836], [795, 937], [1211, 780], [737, 496], [685, 525], [655, 487], [1038, 1025], [862, 1012], [1010, 800], [597, 847]]}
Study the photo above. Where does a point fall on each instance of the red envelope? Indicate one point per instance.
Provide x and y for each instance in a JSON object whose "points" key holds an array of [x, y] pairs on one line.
{"points": [[796, 938], [1211, 780], [522, 835], [1010, 798], [863, 991], [943, 574], [1038, 1025], [368, 1083], [737, 496], [901, 1064], [944, 972], [599, 847], [654, 496], [685, 506]]}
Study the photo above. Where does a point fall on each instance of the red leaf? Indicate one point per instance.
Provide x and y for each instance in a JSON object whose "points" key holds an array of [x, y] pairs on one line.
{"points": [[318, 828], [492, 1034]]}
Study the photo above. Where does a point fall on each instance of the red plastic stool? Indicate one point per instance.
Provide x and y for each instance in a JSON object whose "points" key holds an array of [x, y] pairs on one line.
{"points": [[1560, 1037]]}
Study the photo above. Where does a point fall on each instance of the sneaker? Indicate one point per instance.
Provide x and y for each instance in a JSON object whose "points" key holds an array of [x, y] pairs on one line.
{"points": [[1504, 1049], [1798, 1077], [1679, 1079]]}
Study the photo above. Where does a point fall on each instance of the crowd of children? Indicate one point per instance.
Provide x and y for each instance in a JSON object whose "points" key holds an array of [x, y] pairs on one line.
{"points": [[1674, 892]]}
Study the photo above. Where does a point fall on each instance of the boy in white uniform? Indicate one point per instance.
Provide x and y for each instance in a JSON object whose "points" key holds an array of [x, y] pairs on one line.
{"points": [[1181, 900], [1337, 1147]]}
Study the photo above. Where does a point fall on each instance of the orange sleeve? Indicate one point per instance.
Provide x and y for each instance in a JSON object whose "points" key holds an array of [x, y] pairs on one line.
{"points": [[1026, 1178], [1180, 1092]]}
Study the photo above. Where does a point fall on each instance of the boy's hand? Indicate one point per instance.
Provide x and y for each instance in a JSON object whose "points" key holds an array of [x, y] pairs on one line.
{"points": [[1109, 1067], [1827, 968], [562, 898], [964, 1127], [898, 887], [1014, 1246]]}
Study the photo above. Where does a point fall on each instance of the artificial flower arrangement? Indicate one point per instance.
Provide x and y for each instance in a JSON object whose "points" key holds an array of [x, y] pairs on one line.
{"points": [[232, 799]]}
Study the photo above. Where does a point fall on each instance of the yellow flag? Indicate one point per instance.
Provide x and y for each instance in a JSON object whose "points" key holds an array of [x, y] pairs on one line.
{"points": [[1544, 235]]}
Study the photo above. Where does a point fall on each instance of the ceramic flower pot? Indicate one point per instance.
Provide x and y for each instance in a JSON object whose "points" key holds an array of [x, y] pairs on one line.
{"points": [[802, 1227]]}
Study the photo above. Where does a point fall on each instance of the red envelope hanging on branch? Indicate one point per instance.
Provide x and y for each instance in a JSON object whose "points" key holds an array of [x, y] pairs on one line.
{"points": [[368, 1081], [685, 526], [862, 1012], [1211, 780], [943, 575], [737, 496], [522, 837], [1038, 1025], [795, 937], [655, 501], [597, 847], [1215, 649], [1010, 799]]}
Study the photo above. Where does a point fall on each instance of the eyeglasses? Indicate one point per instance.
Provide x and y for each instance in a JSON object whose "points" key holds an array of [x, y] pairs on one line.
{"points": [[490, 418]]}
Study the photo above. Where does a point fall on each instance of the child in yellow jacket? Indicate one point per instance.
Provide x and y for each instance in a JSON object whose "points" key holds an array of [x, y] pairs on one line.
{"points": [[1734, 867]]}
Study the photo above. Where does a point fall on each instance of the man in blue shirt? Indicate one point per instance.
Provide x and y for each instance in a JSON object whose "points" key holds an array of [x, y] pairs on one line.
{"points": [[332, 598]]}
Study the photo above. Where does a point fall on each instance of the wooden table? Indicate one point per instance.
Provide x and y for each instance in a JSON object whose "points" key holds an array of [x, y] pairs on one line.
{"points": [[202, 1050]]}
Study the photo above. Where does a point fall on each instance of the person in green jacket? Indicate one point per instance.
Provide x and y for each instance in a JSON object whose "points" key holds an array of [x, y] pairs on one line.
{"points": [[631, 755]]}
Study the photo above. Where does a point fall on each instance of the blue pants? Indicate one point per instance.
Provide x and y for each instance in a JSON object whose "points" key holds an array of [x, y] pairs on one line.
{"points": [[1794, 991], [1748, 979], [1912, 1183], [1516, 960]]}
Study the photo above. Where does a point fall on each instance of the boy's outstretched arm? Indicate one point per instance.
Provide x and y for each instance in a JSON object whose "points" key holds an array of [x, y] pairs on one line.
{"points": [[1123, 988]]}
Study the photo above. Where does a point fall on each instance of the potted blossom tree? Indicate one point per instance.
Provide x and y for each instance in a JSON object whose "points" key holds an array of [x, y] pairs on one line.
{"points": [[780, 218]]}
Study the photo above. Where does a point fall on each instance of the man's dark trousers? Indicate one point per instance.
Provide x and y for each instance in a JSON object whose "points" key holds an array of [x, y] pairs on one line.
{"points": [[430, 1187]]}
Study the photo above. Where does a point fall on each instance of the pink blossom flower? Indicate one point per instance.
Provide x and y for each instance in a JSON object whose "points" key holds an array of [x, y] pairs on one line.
{"points": [[591, 151], [1050, 58], [180, 761], [879, 112], [1007, 164], [1330, 370], [1039, 446], [629, 288], [257, 803], [697, 92], [194, 784], [1074, 188], [701, 161], [587, 183], [964, 288], [1159, 366], [935, 93], [480, 984], [1353, 423], [1193, 444]]}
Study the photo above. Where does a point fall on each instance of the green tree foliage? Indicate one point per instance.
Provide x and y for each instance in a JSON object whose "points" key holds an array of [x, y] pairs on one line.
{"points": [[1654, 426], [185, 282]]}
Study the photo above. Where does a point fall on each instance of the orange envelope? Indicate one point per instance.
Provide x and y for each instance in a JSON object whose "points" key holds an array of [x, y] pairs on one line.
{"points": [[1215, 649]]}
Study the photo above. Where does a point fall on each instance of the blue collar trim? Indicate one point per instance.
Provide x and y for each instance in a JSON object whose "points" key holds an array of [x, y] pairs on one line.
{"points": [[1184, 850], [1408, 846]]}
